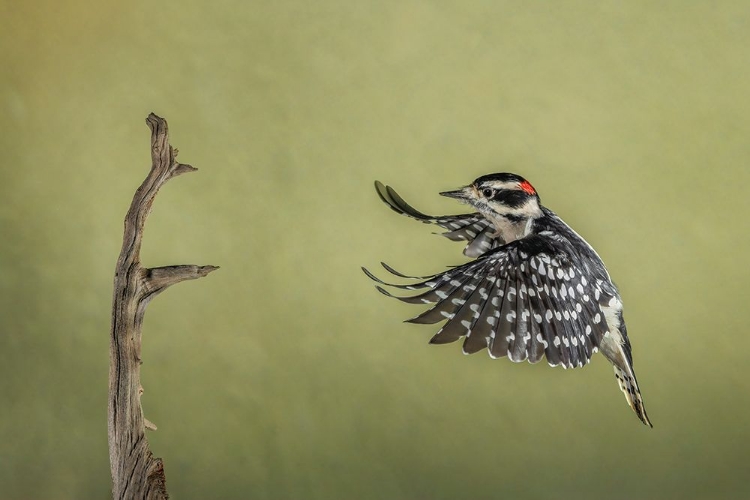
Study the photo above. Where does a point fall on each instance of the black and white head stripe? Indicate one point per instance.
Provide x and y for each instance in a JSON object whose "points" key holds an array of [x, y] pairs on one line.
{"points": [[506, 189], [525, 301], [474, 228], [503, 194]]}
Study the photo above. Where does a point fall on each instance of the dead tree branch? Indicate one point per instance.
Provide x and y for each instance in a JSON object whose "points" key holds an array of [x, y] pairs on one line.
{"points": [[136, 473]]}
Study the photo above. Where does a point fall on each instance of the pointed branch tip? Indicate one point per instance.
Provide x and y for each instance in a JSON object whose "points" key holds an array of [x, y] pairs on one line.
{"points": [[202, 271], [183, 168], [158, 278]]}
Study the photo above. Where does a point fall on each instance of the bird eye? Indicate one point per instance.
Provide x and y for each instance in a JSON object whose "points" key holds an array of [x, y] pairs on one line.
{"points": [[487, 192]]}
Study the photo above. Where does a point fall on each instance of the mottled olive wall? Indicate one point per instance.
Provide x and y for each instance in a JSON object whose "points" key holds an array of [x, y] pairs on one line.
{"points": [[285, 374]]}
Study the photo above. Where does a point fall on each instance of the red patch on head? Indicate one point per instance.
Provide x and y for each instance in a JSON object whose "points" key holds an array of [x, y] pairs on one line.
{"points": [[527, 187]]}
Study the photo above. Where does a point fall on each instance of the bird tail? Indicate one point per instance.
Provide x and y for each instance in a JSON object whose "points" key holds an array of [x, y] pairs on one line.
{"points": [[629, 387]]}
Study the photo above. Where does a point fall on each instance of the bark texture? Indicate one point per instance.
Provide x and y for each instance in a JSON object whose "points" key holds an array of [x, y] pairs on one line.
{"points": [[136, 473]]}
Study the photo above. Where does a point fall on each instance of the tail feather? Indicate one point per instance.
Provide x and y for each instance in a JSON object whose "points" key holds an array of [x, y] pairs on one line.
{"points": [[629, 387]]}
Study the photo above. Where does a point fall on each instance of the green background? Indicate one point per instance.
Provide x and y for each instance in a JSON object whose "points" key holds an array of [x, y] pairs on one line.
{"points": [[285, 374]]}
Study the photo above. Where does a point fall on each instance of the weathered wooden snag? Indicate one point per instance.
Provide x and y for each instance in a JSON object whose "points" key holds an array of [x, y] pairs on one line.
{"points": [[136, 473]]}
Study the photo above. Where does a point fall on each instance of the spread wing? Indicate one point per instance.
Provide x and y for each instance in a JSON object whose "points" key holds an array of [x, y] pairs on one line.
{"points": [[473, 228], [524, 300]]}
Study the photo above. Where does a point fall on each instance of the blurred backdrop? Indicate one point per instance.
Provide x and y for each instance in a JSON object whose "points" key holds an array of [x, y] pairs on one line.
{"points": [[285, 374]]}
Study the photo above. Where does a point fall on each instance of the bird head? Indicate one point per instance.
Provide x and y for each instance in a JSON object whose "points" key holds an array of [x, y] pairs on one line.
{"points": [[500, 195]]}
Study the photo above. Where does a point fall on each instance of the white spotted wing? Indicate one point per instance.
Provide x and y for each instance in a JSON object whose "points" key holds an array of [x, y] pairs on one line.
{"points": [[524, 300]]}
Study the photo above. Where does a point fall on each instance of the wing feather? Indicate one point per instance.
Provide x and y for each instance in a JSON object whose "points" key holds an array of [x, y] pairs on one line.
{"points": [[504, 333], [536, 341], [446, 308], [519, 345], [478, 336], [473, 227], [546, 334], [458, 325]]}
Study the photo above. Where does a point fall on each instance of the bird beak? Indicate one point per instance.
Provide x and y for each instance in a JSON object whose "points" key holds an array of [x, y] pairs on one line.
{"points": [[459, 194]]}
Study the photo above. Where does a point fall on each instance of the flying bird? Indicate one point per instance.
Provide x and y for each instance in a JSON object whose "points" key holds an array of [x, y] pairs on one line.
{"points": [[534, 289]]}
